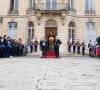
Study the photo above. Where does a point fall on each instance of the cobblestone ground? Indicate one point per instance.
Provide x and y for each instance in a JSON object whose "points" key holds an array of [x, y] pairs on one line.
{"points": [[70, 73]]}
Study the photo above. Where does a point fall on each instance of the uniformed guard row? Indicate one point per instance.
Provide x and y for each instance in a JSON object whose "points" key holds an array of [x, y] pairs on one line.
{"points": [[10, 47], [94, 49], [77, 46]]}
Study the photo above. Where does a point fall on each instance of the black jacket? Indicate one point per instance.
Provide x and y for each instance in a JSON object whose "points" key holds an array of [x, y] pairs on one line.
{"points": [[0, 42], [5, 42], [44, 42], [57, 43]]}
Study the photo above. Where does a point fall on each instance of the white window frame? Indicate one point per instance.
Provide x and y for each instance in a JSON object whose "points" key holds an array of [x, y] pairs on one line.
{"points": [[90, 30], [70, 4], [51, 4], [32, 3], [89, 5], [14, 8], [12, 29]]}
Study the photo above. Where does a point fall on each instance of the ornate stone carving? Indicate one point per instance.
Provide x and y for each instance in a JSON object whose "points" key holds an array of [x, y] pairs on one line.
{"points": [[50, 16], [38, 15], [51, 23], [63, 15], [12, 19], [90, 19]]}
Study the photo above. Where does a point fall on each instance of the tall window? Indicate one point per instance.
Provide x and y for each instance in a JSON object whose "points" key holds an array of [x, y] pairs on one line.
{"points": [[70, 5], [90, 32], [13, 5], [51, 4], [12, 30], [71, 31], [30, 32], [89, 6], [32, 3]]}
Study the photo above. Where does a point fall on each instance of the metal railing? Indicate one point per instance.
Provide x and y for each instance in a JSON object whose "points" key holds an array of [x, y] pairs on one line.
{"points": [[72, 10], [51, 7], [13, 12], [29, 10], [90, 12]]}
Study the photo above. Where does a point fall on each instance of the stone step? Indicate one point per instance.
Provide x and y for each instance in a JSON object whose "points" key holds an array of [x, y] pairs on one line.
{"points": [[66, 54]]}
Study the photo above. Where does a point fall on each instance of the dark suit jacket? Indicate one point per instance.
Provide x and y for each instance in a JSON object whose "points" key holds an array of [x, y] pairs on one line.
{"points": [[5, 42], [0, 42], [46, 44], [57, 43]]}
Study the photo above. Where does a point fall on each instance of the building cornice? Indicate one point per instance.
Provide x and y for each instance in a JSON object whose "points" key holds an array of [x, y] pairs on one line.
{"points": [[72, 15]]}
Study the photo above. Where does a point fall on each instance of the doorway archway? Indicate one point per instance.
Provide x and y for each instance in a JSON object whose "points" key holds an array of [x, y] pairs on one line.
{"points": [[50, 33]]}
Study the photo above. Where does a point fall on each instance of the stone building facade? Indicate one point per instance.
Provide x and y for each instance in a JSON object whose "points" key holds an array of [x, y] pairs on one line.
{"points": [[74, 19]]}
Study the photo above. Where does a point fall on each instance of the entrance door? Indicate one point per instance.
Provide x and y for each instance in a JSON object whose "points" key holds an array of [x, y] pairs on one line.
{"points": [[50, 33]]}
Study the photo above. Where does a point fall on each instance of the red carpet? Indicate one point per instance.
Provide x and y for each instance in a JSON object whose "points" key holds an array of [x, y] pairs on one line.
{"points": [[50, 54]]}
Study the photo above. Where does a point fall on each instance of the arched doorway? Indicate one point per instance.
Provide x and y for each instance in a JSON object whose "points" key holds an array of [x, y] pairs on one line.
{"points": [[50, 33], [71, 31], [30, 31]]}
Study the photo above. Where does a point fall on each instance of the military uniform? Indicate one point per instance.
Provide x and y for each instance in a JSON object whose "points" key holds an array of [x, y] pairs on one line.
{"points": [[74, 47], [90, 48], [31, 47], [35, 45], [69, 46], [78, 47], [83, 48]]}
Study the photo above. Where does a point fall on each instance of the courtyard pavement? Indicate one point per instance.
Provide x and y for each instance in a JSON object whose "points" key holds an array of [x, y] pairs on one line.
{"points": [[67, 73]]}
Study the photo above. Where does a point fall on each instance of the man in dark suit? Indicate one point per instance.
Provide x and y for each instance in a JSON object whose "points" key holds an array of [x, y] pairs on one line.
{"points": [[1, 48], [57, 44], [5, 43], [44, 47]]}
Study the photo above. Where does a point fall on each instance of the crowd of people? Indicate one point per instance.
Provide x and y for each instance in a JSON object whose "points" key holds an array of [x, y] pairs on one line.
{"points": [[10, 47], [94, 49]]}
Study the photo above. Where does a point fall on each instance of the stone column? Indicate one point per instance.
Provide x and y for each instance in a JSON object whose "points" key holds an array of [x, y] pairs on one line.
{"points": [[63, 35]]}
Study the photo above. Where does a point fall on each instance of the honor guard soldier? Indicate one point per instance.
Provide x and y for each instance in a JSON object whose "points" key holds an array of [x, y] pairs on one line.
{"points": [[35, 44], [83, 48], [90, 48], [31, 46], [78, 47], [74, 46], [69, 46]]}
